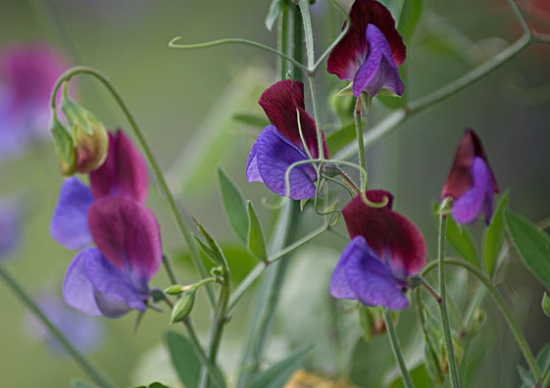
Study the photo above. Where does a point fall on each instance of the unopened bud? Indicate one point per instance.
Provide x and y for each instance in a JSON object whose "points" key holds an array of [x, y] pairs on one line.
{"points": [[183, 307], [64, 147], [174, 290]]}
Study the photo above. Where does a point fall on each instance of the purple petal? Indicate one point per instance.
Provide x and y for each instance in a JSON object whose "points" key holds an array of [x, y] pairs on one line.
{"points": [[378, 71], [394, 238], [96, 287], [367, 278], [124, 171], [127, 233], [271, 156], [10, 228], [69, 224], [467, 207]]}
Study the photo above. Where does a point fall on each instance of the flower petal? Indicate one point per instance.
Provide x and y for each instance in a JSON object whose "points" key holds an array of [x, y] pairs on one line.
{"points": [[349, 54], [274, 154], [395, 239], [378, 71], [282, 103], [95, 286], [127, 233], [69, 224], [124, 171], [368, 278], [467, 207]]}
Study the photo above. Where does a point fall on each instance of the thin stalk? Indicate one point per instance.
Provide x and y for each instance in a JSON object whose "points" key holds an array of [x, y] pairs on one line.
{"points": [[546, 377], [169, 269], [396, 347], [91, 370], [360, 142], [182, 226], [453, 370], [501, 303]]}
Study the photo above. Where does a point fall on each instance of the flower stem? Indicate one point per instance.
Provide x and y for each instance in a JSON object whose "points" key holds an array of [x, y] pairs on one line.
{"points": [[182, 226], [95, 374], [518, 335], [396, 347], [169, 270], [455, 380]]}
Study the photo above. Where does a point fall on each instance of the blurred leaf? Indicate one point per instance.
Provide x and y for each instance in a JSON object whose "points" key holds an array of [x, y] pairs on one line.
{"points": [[235, 205], [395, 7], [527, 379], [185, 361], [256, 239], [340, 138], [158, 385], [420, 378], [277, 375], [461, 240], [494, 237], [409, 18], [251, 119], [212, 248], [546, 304], [532, 245], [82, 384], [273, 14]]}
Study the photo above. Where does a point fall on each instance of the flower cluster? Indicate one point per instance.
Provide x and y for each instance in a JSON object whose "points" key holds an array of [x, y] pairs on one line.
{"points": [[111, 277]]}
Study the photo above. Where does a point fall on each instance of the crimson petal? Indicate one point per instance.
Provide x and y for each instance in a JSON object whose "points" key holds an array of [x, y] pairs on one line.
{"points": [[395, 239], [127, 233]]}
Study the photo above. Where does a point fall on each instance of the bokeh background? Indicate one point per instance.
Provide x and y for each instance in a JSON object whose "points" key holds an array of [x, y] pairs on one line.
{"points": [[185, 102]]}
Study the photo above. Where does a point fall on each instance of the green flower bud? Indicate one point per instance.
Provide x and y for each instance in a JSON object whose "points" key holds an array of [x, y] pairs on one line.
{"points": [[174, 290], [183, 307], [64, 147]]}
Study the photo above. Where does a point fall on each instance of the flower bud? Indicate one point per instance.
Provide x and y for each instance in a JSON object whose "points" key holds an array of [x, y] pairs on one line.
{"points": [[183, 307], [64, 147], [174, 290]]}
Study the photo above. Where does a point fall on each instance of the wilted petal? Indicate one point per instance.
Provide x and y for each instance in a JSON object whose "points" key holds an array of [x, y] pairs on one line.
{"points": [[379, 70], [282, 103], [69, 224], [95, 286], [467, 207], [124, 172], [127, 233], [274, 154], [394, 238], [350, 53]]}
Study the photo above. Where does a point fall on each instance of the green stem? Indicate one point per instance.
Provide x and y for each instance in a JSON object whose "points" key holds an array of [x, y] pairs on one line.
{"points": [[546, 376], [182, 226], [308, 35], [169, 269], [396, 347], [96, 375], [520, 339], [455, 380]]}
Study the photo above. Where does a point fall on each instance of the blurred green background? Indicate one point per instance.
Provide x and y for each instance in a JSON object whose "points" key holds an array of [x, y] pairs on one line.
{"points": [[184, 101]]}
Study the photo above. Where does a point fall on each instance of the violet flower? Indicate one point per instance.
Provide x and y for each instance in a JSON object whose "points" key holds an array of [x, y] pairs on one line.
{"points": [[27, 76], [386, 248], [370, 52], [279, 145], [112, 277], [471, 182]]}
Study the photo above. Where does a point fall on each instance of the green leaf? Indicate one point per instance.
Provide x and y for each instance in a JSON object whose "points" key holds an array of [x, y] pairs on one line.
{"points": [[184, 359], [546, 304], [409, 18], [211, 248], [256, 239], [532, 245], [81, 384], [274, 12], [158, 385], [419, 376], [277, 375], [251, 119], [235, 205], [494, 237], [339, 139], [395, 7], [461, 240]]}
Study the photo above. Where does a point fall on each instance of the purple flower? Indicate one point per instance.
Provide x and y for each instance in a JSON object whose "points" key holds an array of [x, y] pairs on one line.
{"points": [[85, 333], [112, 277], [279, 145], [471, 182], [10, 228], [27, 76], [370, 52], [386, 248]]}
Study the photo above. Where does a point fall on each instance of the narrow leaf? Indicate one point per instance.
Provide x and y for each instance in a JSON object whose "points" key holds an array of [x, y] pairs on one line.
{"points": [[256, 239], [546, 304], [185, 361], [409, 18], [494, 237], [211, 248], [235, 205], [532, 245], [251, 119], [339, 139], [274, 12], [277, 375], [461, 240], [158, 385]]}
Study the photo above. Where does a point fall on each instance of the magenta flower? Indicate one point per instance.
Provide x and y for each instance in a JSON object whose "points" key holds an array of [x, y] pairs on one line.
{"points": [[370, 52], [27, 76], [386, 248], [471, 182], [112, 277], [279, 145]]}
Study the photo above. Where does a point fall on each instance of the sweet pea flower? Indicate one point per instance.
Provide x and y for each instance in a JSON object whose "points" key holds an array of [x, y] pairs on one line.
{"points": [[27, 76], [111, 278], [370, 51], [386, 248], [279, 145], [471, 182]]}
